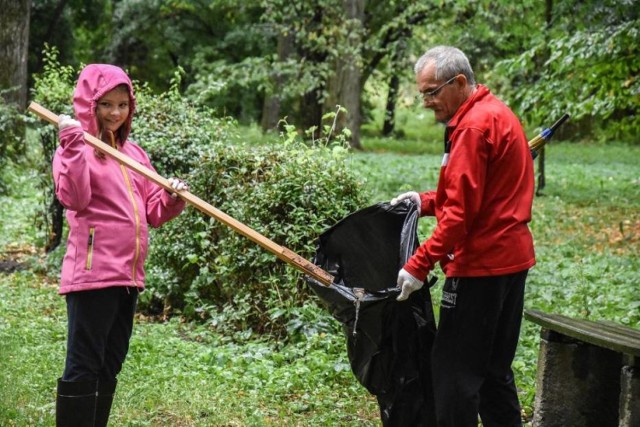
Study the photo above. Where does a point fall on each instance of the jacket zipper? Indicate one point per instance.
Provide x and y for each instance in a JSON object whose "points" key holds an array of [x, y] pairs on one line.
{"points": [[92, 231], [136, 215]]}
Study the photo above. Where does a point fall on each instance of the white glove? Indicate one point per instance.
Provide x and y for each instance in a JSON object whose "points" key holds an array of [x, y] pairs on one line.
{"points": [[407, 284], [411, 195], [178, 185], [65, 121]]}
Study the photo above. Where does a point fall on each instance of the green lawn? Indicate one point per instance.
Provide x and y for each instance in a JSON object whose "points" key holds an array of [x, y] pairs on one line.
{"points": [[587, 232]]}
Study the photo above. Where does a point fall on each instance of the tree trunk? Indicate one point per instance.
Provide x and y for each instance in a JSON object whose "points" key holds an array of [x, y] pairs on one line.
{"points": [[346, 86], [271, 106], [541, 179], [394, 82], [390, 109], [311, 112], [14, 48], [54, 218], [56, 212]]}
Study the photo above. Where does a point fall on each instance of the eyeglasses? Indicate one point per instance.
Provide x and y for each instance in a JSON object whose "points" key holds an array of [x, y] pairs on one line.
{"points": [[430, 95]]}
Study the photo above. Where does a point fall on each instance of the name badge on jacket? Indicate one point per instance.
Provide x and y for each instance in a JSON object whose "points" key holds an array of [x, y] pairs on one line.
{"points": [[447, 149]]}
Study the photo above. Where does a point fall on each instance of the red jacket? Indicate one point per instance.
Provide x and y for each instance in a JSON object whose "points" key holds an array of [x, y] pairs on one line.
{"points": [[109, 207], [484, 195]]}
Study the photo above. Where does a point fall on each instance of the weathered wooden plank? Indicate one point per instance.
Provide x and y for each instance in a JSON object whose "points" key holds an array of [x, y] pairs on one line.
{"points": [[620, 329], [604, 334]]}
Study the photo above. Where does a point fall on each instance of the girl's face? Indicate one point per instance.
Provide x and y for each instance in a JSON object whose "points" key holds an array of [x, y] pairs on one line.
{"points": [[112, 109]]}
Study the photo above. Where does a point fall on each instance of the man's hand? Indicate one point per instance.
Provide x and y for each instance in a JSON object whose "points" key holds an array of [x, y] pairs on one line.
{"points": [[407, 284], [65, 121], [411, 195], [178, 185]]}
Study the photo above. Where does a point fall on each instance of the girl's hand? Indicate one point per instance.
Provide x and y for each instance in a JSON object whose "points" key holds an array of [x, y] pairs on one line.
{"points": [[65, 121], [178, 185]]}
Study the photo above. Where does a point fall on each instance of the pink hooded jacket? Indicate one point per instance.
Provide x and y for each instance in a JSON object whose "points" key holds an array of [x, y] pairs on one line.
{"points": [[109, 207]]}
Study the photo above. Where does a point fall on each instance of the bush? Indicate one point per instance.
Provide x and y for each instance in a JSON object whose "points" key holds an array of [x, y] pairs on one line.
{"points": [[53, 89], [197, 266], [174, 131], [12, 127], [287, 192]]}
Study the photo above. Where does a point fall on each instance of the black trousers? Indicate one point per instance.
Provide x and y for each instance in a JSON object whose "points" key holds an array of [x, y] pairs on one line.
{"points": [[100, 323], [474, 348]]}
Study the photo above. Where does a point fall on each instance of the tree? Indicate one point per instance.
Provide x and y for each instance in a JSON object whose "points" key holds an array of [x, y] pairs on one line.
{"points": [[345, 87], [14, 42], [339, 44], [592, 71], [79, 29], [392, 43], [272, 101], [541, 156]]}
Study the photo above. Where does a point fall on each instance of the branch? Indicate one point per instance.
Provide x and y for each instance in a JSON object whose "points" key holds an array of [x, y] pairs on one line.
{"points": [[392, 35]]}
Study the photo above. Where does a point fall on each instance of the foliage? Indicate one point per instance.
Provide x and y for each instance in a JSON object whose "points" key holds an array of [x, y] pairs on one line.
{"points": [[489, 30], [12, 128], [19, 207], [155, 37], [587, 233], [174, 131], [586, 64], [177, 373], [303, 45], [289, 192], [52, 89], [79, 29], [578, 57]]}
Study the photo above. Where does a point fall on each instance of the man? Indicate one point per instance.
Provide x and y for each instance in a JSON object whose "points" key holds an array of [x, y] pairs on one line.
{"points": [[482, 241]]}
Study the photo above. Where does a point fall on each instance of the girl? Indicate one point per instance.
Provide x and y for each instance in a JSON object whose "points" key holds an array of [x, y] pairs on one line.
{"points": [[109, 209]]}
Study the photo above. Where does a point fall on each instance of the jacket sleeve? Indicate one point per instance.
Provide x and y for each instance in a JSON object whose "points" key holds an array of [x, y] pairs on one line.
{"points": [[71, 170], [428, 203], [160, 206], [463, 187]]}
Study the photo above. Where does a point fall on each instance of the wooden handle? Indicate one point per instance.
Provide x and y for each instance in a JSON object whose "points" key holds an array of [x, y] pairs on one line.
{"points": [[281, 252]]}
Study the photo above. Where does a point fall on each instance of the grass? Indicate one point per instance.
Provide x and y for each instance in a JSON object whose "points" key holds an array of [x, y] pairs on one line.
{"points": [[177, 374], [586, 227], [587, 232]]}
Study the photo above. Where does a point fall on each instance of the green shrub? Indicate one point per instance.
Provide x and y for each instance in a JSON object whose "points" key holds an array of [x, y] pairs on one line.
{"points": [[12, 128], [53, 89], [174, 131], [289, 193]]}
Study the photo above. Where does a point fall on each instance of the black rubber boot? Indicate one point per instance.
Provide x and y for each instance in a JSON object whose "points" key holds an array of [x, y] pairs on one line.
{"points": [[103, 404], [75, 404]]}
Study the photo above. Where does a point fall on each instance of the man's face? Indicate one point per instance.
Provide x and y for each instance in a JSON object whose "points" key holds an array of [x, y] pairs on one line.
{"points": [[444, 97]]}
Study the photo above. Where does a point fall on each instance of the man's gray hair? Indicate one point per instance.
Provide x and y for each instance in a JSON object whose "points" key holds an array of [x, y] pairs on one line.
{"points": [[450, 61]]}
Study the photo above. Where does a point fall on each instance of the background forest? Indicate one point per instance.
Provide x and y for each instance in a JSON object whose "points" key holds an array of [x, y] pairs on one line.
{"points": [[288, 116]]}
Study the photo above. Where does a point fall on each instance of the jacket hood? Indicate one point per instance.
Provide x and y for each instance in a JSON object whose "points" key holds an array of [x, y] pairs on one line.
{"points": [[94, 81]]}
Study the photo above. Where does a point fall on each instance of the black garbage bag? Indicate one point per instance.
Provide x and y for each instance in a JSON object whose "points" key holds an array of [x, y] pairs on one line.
{"points": [[388, 342]]}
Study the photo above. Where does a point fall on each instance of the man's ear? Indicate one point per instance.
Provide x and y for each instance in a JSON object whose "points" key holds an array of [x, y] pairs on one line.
{"points": [[461, 80]]}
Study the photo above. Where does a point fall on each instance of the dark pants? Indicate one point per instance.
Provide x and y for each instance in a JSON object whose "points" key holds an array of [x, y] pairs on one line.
{"points": [[99, 328], [474, 347]]}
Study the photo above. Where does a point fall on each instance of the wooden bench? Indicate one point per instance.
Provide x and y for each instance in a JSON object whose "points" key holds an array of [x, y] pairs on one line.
{"points": [[588, 373]]}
